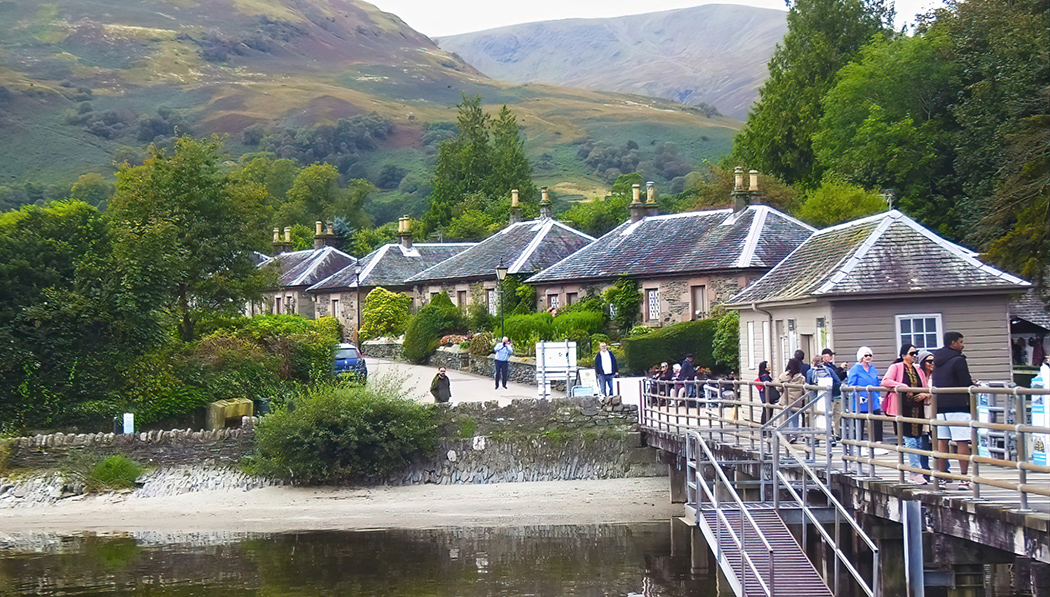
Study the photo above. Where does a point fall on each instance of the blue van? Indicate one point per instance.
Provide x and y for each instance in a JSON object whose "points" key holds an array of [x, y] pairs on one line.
{"points": [[349, 363]]}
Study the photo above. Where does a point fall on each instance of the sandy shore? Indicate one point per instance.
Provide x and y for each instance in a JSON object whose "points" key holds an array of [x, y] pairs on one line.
{"points": [[279, 509]]}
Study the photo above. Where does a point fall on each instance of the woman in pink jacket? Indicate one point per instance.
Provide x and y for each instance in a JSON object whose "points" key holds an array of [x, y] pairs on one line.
{"points": [[908, 399]]}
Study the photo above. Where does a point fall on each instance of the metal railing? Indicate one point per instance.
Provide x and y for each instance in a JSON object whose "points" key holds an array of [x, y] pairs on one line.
{"points": [[734, 414], [698, 453]]}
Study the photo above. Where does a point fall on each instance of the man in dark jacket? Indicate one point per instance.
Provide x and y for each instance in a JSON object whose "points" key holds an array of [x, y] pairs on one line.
{"points": [[688, 373], [951, 371], [440, 387], [605, 367]]}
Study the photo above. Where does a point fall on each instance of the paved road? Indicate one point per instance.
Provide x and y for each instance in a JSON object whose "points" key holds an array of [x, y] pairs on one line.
{"points": [[466, 387]]}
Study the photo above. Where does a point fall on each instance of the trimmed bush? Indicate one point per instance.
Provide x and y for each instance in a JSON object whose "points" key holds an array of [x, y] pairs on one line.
{"points": [[671, 344], [522, 327], [481, 344], [565, 324], [425, 330], [345, 434], [385, 314]]}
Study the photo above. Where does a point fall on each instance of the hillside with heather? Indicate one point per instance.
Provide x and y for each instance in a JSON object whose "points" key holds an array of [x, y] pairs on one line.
{"points": [[714, 55], [86, 85]]}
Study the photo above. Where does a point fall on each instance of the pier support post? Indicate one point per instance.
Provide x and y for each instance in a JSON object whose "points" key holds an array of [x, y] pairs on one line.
{"points": [[911, 518], [701, 560], [676, 472]]}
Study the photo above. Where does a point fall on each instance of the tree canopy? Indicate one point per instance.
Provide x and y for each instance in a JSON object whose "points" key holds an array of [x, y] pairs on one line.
{"points": [[182, 233]]}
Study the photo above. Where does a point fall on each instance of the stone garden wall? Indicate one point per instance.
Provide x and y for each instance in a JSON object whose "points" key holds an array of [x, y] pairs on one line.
{"points": [[528, 440], [522, 370]]}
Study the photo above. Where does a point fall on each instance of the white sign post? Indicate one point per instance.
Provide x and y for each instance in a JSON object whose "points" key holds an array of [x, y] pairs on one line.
{"points": [[555, 361]]}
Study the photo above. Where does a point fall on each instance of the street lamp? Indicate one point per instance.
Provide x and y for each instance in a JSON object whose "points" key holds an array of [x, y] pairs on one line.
{"points": [[357, 311], [501, 275]]}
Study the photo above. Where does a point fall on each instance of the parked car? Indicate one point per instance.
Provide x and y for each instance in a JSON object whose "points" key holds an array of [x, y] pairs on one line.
{"points": [[349, 363]]}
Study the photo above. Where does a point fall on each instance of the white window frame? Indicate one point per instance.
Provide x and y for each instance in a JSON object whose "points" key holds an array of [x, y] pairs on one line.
{"points": [[652, 303], [493, 307], [335, 307], [552, 301], [938, 335], [750, 345]]}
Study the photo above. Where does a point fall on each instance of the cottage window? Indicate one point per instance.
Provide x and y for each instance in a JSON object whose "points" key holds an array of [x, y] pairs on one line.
{"points": [[493, 305], [653, 300], [461, 300], [699, 302], [571, 298], [552, 301], [335, 307], [276, 305], [289, 306], [922, 330]]}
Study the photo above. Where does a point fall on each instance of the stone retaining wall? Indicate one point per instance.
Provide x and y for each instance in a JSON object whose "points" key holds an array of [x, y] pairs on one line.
{"points": [[510, 443], [160, 448]]}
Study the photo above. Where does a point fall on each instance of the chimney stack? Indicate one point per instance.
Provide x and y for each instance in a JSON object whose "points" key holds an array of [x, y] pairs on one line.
{"points": [[515, 207], [650, 199], [318, 234], [637, 207], [739, 195], [278, 247], [545, 204], [404, 231], [756, 195]]}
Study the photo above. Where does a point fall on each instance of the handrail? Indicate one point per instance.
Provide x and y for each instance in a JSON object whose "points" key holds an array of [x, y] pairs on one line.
{"points": [[744, 515], [840, 510]]}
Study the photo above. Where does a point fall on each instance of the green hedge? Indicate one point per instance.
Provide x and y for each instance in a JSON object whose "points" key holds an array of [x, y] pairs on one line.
{"points": [[522, 327], [565, 324], [671, 344], [436, 319]]}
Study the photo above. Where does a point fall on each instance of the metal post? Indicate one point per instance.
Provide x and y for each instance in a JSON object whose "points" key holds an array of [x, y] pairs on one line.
{"points": [[911, 515], [1022, 449]]}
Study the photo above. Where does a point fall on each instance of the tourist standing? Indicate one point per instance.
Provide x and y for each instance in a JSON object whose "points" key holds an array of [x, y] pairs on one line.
{"points": [[951, 371], [502, 362], [792, 375], [688, 374], [863, 374], [909, 400], [605, 367], [440, 387], [763, 378]]}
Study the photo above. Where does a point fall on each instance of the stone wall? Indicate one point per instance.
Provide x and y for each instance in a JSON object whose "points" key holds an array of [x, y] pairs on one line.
{"points": [[528, 440], [159, 448]]}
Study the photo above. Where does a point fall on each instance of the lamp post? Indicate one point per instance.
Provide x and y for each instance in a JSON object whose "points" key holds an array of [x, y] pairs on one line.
{"points": [[357, 311], [501, 275]]}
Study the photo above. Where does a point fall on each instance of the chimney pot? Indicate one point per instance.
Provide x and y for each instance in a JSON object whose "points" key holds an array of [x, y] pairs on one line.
{"points": [[650, 192], [636, 193], [287, 234], [276, 235], [738, 177], [318, 228], [331, 228], [514, 198], [754, 181], [545, 204]]}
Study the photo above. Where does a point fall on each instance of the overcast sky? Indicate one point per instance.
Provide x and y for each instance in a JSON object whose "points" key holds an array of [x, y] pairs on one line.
{"points": [[448, 17]]}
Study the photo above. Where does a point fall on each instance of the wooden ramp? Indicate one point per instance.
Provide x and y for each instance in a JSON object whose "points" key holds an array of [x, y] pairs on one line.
{"points": [[793, 573]]}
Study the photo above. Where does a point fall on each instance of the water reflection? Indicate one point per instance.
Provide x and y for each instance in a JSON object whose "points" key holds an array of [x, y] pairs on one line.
{"points": [[634, 559]]}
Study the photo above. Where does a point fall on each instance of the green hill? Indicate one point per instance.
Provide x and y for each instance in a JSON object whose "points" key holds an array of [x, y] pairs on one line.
{"points": [[86, 84]]}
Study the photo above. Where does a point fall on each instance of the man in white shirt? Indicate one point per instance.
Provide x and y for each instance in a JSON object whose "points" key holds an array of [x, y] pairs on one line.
{"points": [[503, 351], [605, 367]]}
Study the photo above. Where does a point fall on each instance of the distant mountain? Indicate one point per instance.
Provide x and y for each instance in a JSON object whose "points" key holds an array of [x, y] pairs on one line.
{"points": [[714, 54], [87, 84]]}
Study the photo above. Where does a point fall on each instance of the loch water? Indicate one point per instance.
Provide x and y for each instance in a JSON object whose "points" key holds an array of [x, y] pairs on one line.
{"points": [[588, 560]]}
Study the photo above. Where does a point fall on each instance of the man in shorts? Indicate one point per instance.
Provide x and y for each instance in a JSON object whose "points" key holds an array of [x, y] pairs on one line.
{"points": [[950, 371]]}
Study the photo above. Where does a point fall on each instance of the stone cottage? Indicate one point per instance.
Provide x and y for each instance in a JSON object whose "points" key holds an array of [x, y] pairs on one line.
{"points": [[524, 248], [298, 271], [388, 266], [683, 263]]}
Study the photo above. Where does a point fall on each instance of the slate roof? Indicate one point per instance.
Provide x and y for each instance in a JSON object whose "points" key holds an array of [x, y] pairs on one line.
{"points": [[305, 268], [390, 265], [525, 247], [1030, 308], [883, 254], [691, 242]]}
